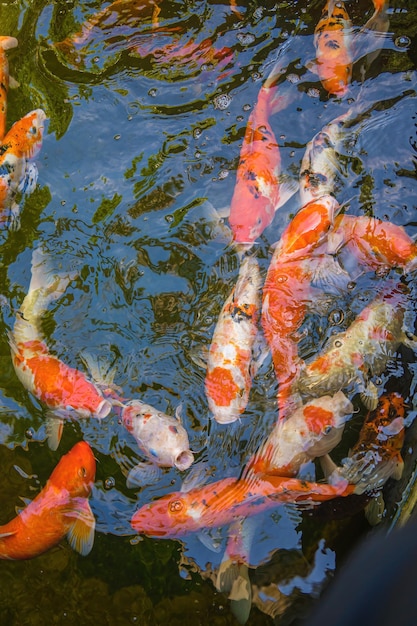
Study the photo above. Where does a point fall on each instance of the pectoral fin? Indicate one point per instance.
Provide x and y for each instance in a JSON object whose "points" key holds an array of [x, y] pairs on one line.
{"points": [[369, 396], [143, 474], [54, 430], [287, 188], [80, 534]]}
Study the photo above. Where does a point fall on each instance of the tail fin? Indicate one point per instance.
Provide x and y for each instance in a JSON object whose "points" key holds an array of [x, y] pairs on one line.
{"points": [[46, 286]]}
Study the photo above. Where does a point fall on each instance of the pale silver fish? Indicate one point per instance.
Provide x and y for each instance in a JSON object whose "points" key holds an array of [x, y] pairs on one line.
{"points": [[161, 438], [363, 350]]}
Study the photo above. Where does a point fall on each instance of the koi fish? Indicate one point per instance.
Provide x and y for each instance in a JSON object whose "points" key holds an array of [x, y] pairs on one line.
{"points": [[161, 438], [230, 365], [222, 502], [259, 191], [5, 80], [288, 290], [376, 456], [313, 430], [333, 43], [361, 351], [320, 164], [17, 175], [58, 386], [372, 242], [60, 510]]}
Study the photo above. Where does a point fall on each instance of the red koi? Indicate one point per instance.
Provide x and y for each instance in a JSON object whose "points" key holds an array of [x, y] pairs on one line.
{"points": [[258, 192], [60, 510], [222, 502]]}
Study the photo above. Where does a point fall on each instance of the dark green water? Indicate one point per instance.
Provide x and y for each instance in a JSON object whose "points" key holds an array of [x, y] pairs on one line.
{"points": [[138, 151]]}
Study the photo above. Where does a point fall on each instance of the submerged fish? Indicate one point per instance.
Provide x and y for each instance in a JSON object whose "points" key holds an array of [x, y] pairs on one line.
{"points": [[222, 502], [333, 43], [60, 510], [373, 243], [17, 174], [160, 437], [259, 190], [58, 386], [231, 365], [6, 43], [311, 431], [363, 350], [376, 456]]}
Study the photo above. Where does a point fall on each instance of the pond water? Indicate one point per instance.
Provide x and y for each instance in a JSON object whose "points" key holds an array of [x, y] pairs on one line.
{"points": [[137, 167]]}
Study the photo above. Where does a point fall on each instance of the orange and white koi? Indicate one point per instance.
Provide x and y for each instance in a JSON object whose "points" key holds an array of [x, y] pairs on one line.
{"points": [[226, 500], [17, 174], [333, 43], [311, 431], [259, 191], [6, 43], [58, 386], [60, 510], [288, 291], [230, 365], [160, 437], [363, 350], [376, 456], [373, 243]]}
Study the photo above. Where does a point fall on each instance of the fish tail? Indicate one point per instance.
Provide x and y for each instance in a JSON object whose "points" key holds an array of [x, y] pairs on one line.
{"points": [[46, 286]]}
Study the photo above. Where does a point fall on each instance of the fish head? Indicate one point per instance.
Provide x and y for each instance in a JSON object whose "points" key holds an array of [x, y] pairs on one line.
{"points": [[76, 471], [325, 419], [29, 134], [167, 516], [310, 225]]}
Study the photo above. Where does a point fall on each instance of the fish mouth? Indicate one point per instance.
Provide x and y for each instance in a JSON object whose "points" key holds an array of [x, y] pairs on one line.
{"points": [[184, 460], [103, 409]]}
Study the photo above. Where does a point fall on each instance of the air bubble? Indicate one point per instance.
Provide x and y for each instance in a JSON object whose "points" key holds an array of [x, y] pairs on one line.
{"points": [[222, 101]]}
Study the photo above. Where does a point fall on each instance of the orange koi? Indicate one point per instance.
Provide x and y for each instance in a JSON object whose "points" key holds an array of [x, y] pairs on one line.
{"points": [[60, 510], [259, 192], [222, 502], [363, 350], [312, 430], [333, 43], [287, 290], [230, 365], [17, 175], [60, 387], [5, 80], [377, 454], [372, 242]]}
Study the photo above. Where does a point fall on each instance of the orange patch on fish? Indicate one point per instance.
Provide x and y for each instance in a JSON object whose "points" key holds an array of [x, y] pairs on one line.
{"points": [[317, 418], [221, 386]]}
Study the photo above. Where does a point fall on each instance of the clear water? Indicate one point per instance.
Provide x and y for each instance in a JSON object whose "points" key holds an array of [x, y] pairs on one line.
{"points": [[139, 154]]}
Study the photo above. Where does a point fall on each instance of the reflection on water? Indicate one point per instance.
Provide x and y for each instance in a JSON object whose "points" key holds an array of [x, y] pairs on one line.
{"points": [[147, 111]]}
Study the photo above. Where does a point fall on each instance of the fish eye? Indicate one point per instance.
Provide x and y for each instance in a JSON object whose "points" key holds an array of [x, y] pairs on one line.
{"points": [[82, 472], [327, 430], [176, 506]]}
